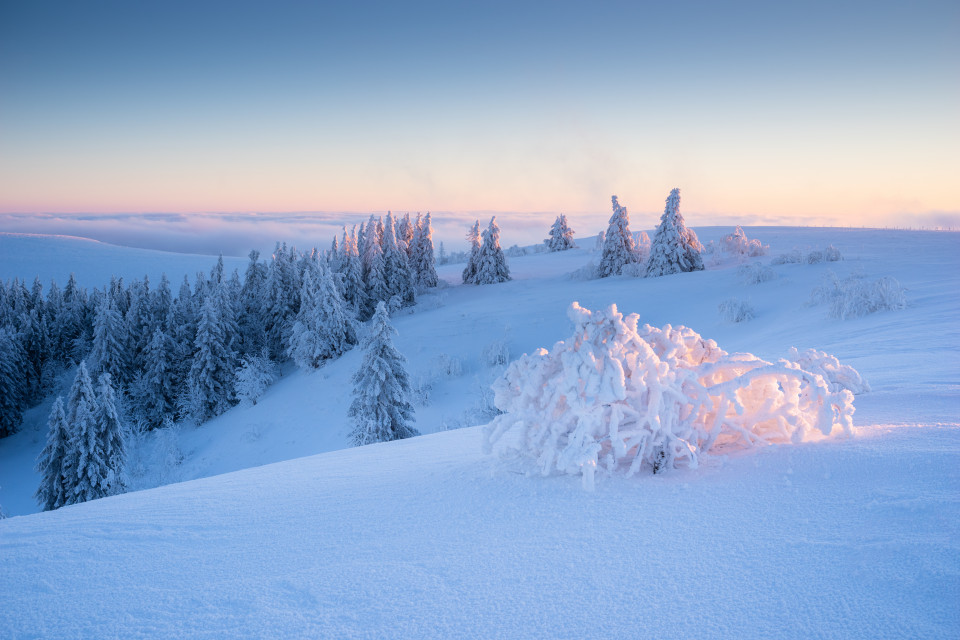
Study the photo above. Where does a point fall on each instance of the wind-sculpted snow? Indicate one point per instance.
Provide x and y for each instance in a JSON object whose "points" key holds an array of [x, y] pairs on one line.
{"points": [[620, 398]]}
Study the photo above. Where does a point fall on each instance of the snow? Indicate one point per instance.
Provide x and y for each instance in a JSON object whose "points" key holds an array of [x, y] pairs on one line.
{"points": [[427, 537]]}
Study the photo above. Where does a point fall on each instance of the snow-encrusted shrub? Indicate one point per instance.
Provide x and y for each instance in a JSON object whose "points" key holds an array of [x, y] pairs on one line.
{"points": [[586, 272], [792, 257], [497, 353], [815, 257], [735, 310], [447, 365], [738, 244], [832, 254], [619, 398], [255, 374], [838, 376], [755, 273], [854, 297]]}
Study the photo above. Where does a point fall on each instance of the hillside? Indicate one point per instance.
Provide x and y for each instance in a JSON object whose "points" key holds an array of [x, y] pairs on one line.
{"points": [[429, 538]]}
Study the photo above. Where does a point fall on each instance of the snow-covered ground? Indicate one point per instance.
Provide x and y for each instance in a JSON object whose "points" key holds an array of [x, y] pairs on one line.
{"points": [[430, 538]]}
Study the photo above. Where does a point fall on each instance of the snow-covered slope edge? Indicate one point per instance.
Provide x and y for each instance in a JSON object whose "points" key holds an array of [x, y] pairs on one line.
{"points": [[425, 538]]}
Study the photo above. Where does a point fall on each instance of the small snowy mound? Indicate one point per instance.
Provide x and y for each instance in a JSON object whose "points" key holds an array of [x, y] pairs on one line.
{"points": [[622, 398]]}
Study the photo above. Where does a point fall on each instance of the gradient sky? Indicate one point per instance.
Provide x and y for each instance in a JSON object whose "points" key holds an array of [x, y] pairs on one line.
{"points": [[783, 112]]}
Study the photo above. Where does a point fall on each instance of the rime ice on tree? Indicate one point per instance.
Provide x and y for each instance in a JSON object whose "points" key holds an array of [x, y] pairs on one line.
{"points": [[491, 263], [561, 235], [381, 409], [675, 248], [618, 397], [618, 249]]}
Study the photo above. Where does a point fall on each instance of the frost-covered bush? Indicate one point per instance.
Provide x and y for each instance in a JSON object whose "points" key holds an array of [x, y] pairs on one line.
{"points": [[839, 376], [447, 365], [497, 353], [738, 244], [792, 257], [255, 374], [735, 310], [755, 273], [619, 398], [832, 254], [854, 297], [815, 257]]}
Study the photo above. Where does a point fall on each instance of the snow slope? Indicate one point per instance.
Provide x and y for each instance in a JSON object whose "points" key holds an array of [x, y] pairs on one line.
{"points": [[305, 413], [427, 538], [26, 256]]}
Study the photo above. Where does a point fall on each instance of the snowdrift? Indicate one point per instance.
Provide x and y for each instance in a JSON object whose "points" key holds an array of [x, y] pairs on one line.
{"points": [[622, 398]]}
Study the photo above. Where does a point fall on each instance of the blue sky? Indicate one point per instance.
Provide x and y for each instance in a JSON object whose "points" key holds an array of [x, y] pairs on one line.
{"points": [[782, 112]]}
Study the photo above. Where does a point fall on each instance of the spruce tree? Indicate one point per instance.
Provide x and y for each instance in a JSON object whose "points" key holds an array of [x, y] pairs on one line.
{"points": [[561, 235], [491, 264], [51, 494], [109, 339], [381, 409], [158, 386], [211, 374], [675, 248], [618, 249], [424, 263], [12, 392], [84, 469], [110, 431], [396, 266], [322, 330], [470, 271]]}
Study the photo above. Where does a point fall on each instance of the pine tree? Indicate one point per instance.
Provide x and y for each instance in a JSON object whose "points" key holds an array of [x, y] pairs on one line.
{"points": [[255, 374], [675, 248], [322, 330], [51, 494], [618, 249], [381, 409], [354, 290], [110, 431], [12, 392], [491, 264], [84, 468], [396, 267], [109, 339], [561, 235], [424, 263], [158, 389], [470, 271], [211, 374], [252, 320]]}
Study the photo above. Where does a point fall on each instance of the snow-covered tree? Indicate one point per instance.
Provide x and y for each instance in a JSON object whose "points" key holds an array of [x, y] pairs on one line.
{"points": [[616, 398], [111, 433], [618, 249], [212, 373], [109, 352], [424, 264], [351, 271], [85, 469], [381, 409], [470, 271], [252, 322], [322, 329], [491, 263], [157, 388], [51, 494], [396, 265], [11, 391], [561, 235], [675, 248], [256, 373]]}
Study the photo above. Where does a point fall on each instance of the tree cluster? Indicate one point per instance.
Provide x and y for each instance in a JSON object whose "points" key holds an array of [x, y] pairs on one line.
{"points": [[486, 264], [179, 354], [674, 249]]}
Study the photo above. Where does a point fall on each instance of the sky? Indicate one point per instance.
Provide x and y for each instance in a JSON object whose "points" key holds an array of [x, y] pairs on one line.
{"points": [[763, 112]]}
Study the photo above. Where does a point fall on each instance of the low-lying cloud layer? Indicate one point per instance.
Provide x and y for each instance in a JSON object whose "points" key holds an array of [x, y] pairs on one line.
{"points": [[234, 234]]}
